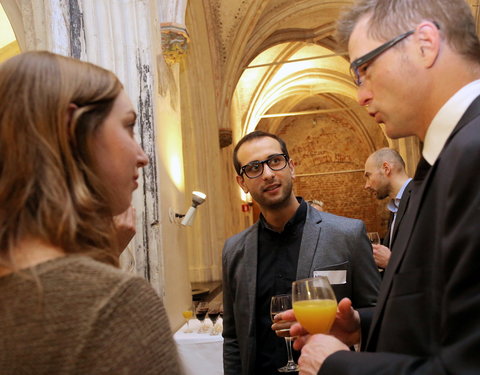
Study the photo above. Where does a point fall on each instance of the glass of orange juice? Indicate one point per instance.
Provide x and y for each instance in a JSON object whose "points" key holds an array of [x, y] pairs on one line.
{"points": [[188, 314], [314, 304]]}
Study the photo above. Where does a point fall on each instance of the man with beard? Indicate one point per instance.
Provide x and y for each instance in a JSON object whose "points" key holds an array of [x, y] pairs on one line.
{"points": [[386, 177], [290, 241]]}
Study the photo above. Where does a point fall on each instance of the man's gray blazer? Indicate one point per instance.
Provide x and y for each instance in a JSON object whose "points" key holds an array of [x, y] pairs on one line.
{"points": [[329, 243]]}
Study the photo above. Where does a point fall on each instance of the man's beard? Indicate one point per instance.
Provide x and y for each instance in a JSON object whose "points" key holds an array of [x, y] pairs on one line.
{"points": [[382, 193], [278, 202]]}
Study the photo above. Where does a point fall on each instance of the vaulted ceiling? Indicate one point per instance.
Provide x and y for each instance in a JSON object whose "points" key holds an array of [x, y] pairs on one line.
{"points": [[279, 57], [255, 43]]}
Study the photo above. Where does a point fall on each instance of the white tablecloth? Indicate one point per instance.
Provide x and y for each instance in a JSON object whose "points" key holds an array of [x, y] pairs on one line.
{"points": [[199, 353]]}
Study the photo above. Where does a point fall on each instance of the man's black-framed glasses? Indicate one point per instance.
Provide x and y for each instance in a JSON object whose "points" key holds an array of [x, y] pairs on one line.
{"points": [[358, 65], [275, 162]]}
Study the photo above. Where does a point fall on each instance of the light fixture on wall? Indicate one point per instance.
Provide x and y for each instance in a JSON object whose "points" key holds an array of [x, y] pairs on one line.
{"points": [[197, 199], [247, 199]]}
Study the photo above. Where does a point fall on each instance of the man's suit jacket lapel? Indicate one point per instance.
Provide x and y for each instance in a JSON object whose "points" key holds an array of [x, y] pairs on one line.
{"points": [[404, 201], [395, 260], [406, 229], [386, 240], [251, 256], [308, 247]]}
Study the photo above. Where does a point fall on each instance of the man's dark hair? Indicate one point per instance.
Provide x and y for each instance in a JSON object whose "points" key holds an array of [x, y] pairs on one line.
{"points": [[251, 136]]}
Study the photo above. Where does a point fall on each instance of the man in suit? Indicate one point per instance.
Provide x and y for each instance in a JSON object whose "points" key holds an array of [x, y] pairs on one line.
{"points": [[425, 82], [385, 176], [290, 241]]}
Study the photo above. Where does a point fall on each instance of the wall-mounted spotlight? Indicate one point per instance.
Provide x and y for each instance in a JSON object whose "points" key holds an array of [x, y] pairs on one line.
{"points": [[197, 199]]}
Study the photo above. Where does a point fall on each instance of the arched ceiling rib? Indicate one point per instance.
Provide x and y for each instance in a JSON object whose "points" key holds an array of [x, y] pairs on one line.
{"points": [[260, 88]]}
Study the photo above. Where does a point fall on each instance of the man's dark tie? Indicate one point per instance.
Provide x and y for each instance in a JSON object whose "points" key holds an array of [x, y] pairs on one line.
{"points": [[422, 169], [386, 240]]}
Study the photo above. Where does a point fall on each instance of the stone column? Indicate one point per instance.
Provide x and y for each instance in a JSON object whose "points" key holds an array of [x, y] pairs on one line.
{"points": [[117, 35]]}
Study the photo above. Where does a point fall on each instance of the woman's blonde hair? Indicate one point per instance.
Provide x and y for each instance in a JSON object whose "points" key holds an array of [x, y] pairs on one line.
{"points": [[50, 108]]}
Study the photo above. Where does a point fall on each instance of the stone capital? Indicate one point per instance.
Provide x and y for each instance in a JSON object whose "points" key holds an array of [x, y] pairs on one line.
{"points": [[175, 40]]}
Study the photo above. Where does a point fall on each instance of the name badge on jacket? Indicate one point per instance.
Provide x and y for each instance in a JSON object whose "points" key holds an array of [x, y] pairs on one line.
{"points": [[334, 276]]}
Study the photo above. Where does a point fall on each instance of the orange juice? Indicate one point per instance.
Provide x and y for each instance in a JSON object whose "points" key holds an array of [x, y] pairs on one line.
{"points": [[316, 315]]}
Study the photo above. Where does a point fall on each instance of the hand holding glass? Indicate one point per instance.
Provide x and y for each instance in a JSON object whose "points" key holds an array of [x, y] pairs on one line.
{"points": [[374, 238], [279, 304], [314, 304]]}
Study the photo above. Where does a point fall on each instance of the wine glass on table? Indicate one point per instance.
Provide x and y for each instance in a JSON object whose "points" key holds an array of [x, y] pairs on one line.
{"points": [[374, 238], [220, 323], [213, 313], [201, 313], [279, 304], [188, 315], [314, 304]]}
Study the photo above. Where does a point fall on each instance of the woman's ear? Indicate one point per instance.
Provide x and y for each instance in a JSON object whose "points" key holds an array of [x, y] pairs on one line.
{"points": [[70, 111], [68, 119]]}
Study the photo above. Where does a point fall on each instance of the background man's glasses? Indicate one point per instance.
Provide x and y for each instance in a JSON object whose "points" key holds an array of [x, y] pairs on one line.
{"points": [[275, 162], [357, 64]]}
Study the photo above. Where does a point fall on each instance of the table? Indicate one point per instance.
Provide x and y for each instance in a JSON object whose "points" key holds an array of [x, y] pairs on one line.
{"points": [[199, 353]]}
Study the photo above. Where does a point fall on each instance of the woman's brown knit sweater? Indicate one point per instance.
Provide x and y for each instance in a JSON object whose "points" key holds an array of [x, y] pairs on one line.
{"points": [[74, 315]]}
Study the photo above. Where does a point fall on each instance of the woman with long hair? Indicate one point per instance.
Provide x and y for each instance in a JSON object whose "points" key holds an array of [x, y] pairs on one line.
{"points": [[68, 164]]}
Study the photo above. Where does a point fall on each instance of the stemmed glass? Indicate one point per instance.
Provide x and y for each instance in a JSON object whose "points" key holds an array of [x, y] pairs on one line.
{"points": [[279, 304], [200, 313], [188, 314], [213, 313], [374, 238], [220, 323], [314, 304]]}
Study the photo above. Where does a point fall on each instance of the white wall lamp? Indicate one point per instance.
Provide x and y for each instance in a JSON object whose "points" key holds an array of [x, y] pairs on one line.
{"points": [[197, 199]]}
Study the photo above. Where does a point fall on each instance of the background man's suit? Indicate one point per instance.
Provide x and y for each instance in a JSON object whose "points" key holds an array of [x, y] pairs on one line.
{"points": [[329, 242], [427, 320], [388, 242]]}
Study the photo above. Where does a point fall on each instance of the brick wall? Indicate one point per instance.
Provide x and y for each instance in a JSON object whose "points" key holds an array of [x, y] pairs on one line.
{"points": [[331, 149]]}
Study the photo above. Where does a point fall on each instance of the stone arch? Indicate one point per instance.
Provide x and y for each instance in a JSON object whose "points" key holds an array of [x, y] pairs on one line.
{"points": [[290, 79], [14, 15]]}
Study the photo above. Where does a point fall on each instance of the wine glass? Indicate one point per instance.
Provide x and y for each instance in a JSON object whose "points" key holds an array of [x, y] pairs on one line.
{"points": [[200, 313], [188, 314], [314, 304], [279, 304], [374, 238], [213, 313]]}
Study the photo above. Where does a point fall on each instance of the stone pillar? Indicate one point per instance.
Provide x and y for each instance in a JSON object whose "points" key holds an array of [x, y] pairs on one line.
{"points": [[118, 36]]}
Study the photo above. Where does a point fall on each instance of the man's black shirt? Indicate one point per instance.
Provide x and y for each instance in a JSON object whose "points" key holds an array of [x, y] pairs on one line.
{"points": [[276, 270]]}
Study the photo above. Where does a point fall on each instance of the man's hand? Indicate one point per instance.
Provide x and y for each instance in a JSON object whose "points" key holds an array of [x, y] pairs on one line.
{"points": [[283, 322], [125, 225], [381, 254], [346, 326], [317, 348]]}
